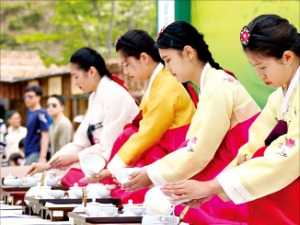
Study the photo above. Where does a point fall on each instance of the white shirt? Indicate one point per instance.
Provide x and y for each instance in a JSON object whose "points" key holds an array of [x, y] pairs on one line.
{"points": [[14, 136]]}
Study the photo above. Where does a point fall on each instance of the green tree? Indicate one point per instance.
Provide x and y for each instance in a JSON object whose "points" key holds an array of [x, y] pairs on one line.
{"points": [[58, 28]]}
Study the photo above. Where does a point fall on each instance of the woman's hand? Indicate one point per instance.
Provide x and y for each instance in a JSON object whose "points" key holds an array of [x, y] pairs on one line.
{"points": [[97, 177], [191, 189], [64, 160], [37, 168], [137, 181]]}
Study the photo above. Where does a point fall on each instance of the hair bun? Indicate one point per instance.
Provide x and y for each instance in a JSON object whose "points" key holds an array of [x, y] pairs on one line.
{"points": [[270, 35]]}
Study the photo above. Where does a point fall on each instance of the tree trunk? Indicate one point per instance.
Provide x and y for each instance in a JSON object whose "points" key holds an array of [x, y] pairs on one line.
{"points": [[96, 8], [109, 44]]}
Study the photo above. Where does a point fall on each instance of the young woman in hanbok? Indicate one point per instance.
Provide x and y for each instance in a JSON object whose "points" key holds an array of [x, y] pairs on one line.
{"points": [[110, 108], [265, 173], [166, 110]]}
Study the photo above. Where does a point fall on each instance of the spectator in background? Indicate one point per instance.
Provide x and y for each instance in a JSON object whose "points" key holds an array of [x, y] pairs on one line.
{"points": [[61, 129], [36, 142], [15, 133]]}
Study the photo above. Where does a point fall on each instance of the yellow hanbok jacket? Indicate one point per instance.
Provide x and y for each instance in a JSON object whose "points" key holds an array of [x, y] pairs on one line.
{"points": [[165, 105]]}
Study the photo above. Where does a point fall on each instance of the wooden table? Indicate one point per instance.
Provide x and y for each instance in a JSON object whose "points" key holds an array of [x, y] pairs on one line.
{"points": [[82, 219], [37, 206], [13, 195], [14, 216], [16, 171], [33, 206], [14, 198], [58, 212]]}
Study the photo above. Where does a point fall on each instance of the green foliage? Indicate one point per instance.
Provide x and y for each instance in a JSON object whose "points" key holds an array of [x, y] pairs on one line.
{"points": [[31, 20], [57, 28], [37, 37], [15, 25], [10, 8], [7, 41]]}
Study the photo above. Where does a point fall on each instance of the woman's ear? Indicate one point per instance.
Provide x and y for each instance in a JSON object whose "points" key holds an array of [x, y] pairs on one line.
{"points": [[288, 57], [189, 52], [144, 57], [93, 72]]}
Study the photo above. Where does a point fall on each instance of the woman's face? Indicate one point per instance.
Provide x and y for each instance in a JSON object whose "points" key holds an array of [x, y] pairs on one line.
{"points": [[15, 120], [133, 67], [272, 71], [54, 107], [177, 63], [83, 79]]}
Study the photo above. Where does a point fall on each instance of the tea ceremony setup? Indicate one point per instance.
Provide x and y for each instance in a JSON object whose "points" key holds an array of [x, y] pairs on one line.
{"points": [[149, 112], [40, 199]]}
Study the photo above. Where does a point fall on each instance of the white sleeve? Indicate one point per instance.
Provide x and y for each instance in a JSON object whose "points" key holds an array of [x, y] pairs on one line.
{"points": [[119, 110]]}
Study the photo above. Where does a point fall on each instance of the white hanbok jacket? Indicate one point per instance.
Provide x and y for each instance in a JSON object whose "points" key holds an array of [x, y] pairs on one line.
{"points": [[110, 108]]}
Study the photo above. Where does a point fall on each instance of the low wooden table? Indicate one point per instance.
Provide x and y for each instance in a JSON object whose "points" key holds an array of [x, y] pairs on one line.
{"points": [[83, 219], [12, 215], [33, 206], [14, 198], [12, 188], [38, 206], [58, 212], [11, 195]]}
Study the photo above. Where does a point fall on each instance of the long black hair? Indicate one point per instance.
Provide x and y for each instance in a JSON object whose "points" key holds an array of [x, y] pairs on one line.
{"points": [[179, 34], [134, 42], [86, 57], [270, 35]]}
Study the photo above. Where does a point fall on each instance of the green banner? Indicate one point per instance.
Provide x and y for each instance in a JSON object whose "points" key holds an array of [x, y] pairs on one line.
{"points": [[183, 10]]}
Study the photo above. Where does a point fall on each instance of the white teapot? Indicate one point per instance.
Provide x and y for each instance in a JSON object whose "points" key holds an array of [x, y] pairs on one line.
{"points": [[12, 181], [29, 181], [75, 191], [39, 192], [97, 191], [131, 209], [52, 178], [95, 209]]}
